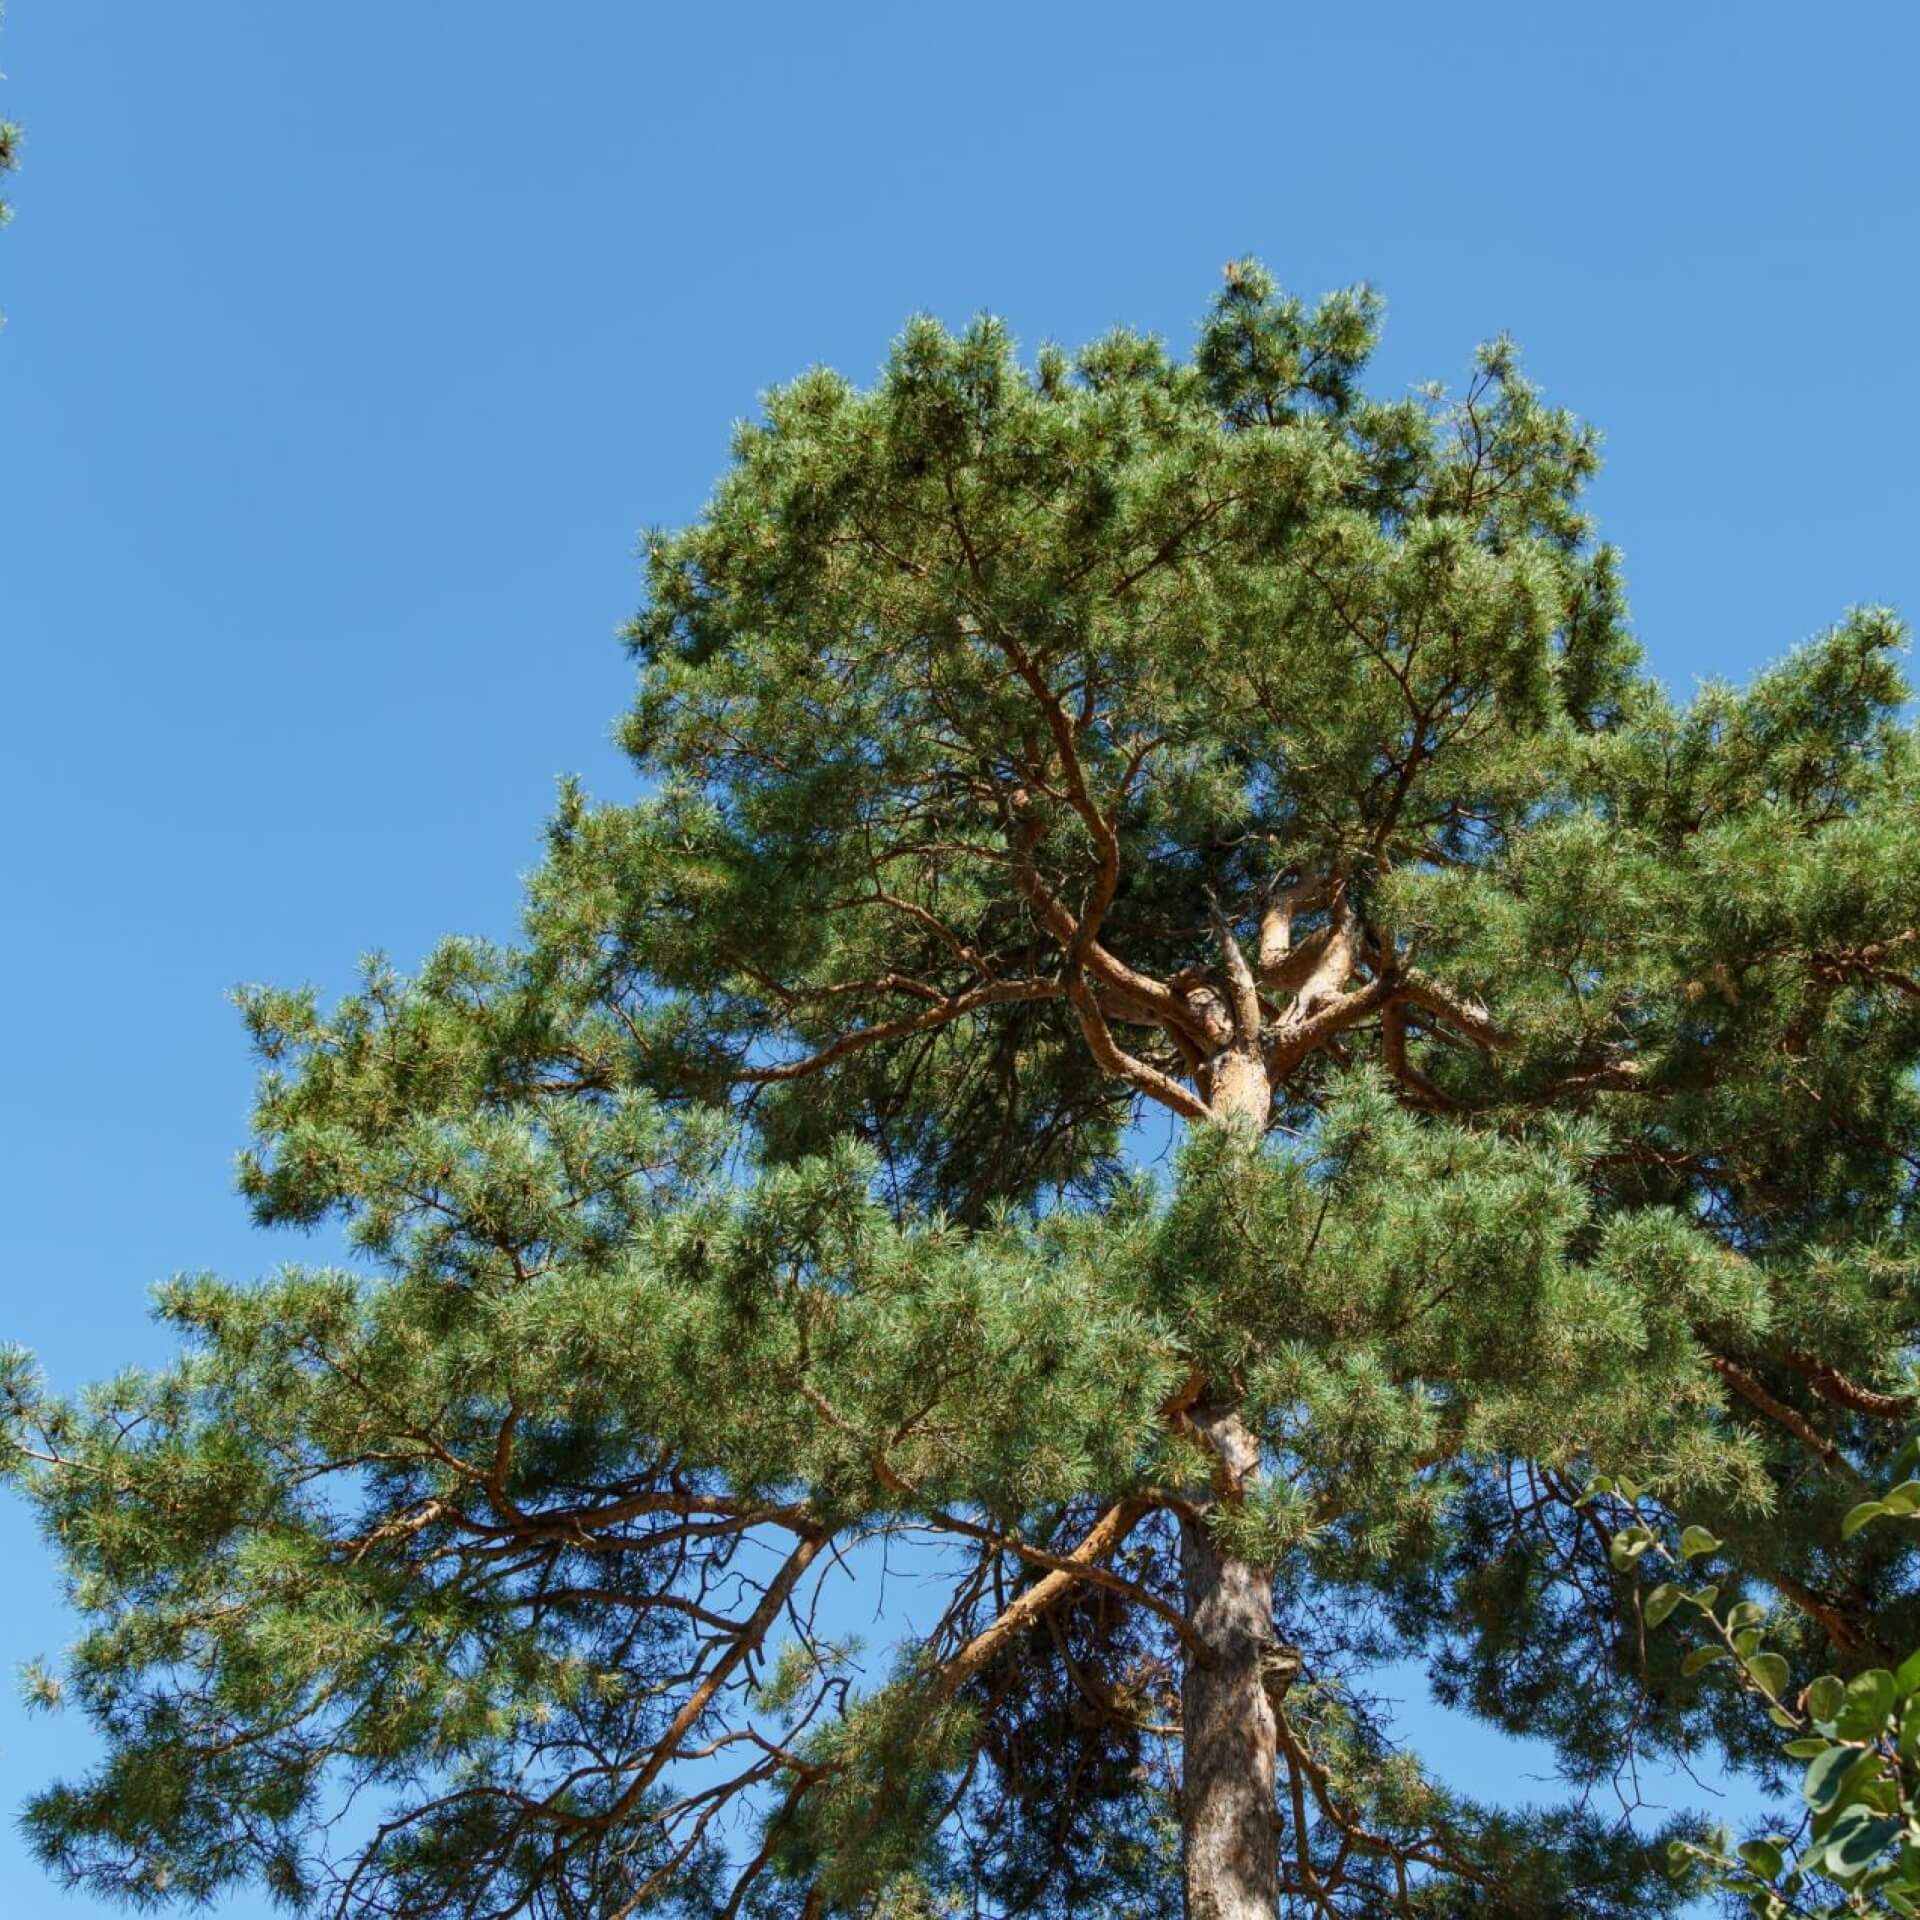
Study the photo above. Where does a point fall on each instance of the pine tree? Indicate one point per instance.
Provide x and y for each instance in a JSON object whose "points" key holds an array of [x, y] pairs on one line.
{"points": [[1042, 760]]}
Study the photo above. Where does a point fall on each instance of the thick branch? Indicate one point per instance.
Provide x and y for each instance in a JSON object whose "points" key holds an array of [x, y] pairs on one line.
{"points": [[1456, 1009], [1274, 951], [1081, 941], [1750, 1390], [1298, 1037], [1831, 1384], [751, 1633], [1114, 1059], [1103, 1537], [1242, 994], [1393, 1046], [1079, 1568], [1334, 960], [1841, 1633]]}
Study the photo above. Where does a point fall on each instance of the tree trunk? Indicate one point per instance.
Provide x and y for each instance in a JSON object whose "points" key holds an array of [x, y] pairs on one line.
{"points": [[1226, 1717], [1229, 1830]]}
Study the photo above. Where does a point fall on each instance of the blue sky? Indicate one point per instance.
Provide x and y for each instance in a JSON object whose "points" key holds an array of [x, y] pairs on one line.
{"points": [[348, 347]]}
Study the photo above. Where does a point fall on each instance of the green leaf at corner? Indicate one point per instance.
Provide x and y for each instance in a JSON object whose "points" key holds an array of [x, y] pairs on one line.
{"points": [[1858, 1517], [1661, 1602], [1870, 1698], [1628, 1545], [1906, 1676], [1825, 1697], [1858, 1837], [1821, 1787]]}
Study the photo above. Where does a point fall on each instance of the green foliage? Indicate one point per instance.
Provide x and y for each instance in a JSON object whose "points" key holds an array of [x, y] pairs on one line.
{"points": [[1028, 744], [1859, 1849]]}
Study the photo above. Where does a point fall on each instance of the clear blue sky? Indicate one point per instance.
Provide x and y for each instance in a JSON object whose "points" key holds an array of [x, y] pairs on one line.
{"points": [[348, 346]]}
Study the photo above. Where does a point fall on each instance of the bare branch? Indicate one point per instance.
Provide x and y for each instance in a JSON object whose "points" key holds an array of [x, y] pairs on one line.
{"points": [[751, 1633], [1242, 994], [1274, 951], [1081, 1569], [1749, 1389], [1457, 1010], [1393, 1044], [1299, 1037], [995, 993], [1102, 1538], [1114, 1059]]}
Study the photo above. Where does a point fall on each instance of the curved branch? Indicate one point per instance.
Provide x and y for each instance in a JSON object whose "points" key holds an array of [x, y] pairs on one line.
{"points": [[1114, 1059], [1831, 1384], [1782, 1415], [1393, 1046], [1079, 940], [1299, 1037], [1456, 1009], [1081, 1569], [1102, 1538], [949, 1010]]}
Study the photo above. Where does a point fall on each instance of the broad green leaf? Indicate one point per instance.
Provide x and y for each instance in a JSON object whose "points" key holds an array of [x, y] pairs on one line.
{"points": [[1857, 1517], [1906, 1676], [1870, 1698], [1857, 1839], [1825, 1697], [1696, 1543], [1628, 1545], [1660, 1603], [1770, 1673], [1821, 1787]]}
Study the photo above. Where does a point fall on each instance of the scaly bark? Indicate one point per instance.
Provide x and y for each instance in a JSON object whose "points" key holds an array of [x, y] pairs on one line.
{"points": [[1227, 1722], [1228, 1733]]}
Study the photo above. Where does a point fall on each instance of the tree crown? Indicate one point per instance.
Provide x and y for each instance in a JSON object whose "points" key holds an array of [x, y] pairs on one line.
{"points": [[1028, 747]]}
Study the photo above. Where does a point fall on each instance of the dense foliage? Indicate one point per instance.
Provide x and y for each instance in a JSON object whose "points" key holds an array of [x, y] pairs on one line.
{"points": [[1033, 751], [1856, 1849]]}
